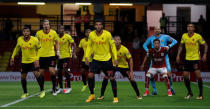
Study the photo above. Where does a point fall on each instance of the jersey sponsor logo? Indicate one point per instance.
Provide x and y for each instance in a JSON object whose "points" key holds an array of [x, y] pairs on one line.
{"points": [[62, 43], [162, 54], [100, 42], [161, 40], [45, 39], [191, 44], [26, 48]]}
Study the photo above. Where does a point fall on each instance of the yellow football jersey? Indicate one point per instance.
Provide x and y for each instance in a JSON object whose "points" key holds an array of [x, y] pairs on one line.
{"points": [[47, 42], [122, 55], [64, 44], [192, 45], [83, 44], [29, 49], [101, 46]]}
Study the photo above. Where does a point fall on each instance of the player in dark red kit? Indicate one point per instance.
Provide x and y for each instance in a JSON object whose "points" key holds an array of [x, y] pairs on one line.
{"points": [[157, 55]]}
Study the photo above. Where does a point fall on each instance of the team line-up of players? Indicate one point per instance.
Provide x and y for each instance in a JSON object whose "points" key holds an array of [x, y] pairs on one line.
{"points": [[102, 52]]}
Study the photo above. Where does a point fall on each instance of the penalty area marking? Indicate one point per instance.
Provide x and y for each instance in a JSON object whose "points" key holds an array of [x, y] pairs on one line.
{"points": [[23, 99], [203, 84], [191, 107]]}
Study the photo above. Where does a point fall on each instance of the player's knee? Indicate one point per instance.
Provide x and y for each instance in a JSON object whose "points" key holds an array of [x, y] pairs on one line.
{"points": [[112, 78], [82, 71], [106, 77], [148, 75], [23, 76], [67, 75], [36, 74], [169, 73], [52, 70], [90, 75], [165, 75]]}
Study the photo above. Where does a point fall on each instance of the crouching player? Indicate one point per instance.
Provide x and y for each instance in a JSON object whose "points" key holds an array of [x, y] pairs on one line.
{"points": [[157, 55], [125, 67]]}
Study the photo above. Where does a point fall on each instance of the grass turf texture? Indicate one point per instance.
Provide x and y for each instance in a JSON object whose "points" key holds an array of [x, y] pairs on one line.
{"points": [[11, 91]]}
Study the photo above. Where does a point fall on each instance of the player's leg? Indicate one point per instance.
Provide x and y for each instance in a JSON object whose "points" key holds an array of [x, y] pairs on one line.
{"points": [[42, 63], [108, 69], [23, 80], [152, 81], [114, 86], [125, 72], [200, 84], [150, 74], [187, 69], [103, 87], [95, 67], [35, 70], [196, 66], [168, 65], [83, 70], [66, 73], [59, 73], [164, 73], [147, 78], [52, 73]]}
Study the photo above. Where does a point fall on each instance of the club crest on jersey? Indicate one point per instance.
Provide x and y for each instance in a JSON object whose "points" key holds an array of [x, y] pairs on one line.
{"points": [[102, 38], [162, 54], [49, 35]]}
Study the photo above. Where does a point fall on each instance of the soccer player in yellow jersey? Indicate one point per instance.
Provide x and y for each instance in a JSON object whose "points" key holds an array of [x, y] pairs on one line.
{"points": [[48, 38], [29, 46], [84, 68], [125, 67], [101, 44], [192, 41], [65, 41]]}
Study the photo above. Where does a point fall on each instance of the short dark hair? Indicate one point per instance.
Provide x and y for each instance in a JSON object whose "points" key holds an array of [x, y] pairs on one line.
{"points": [[27, 28], [156, 40], [88, 29], [99, 20], [45, 20], [117, 36], [191, 24]]}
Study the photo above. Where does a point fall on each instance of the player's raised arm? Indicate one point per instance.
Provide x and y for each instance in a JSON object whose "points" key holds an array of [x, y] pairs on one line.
{"points": [[145, 45]]}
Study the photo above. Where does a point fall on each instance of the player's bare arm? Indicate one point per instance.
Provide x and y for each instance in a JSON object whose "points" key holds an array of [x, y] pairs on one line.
{"points": [[179, 52], [205, 52]]}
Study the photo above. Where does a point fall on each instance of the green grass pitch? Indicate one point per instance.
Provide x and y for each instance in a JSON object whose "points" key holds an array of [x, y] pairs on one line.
{"points": [[11, 91]]}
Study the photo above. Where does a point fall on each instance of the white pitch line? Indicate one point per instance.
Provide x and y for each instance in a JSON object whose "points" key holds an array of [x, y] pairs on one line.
{"points": [[196, 107], [23, 99], [203, 84]]}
